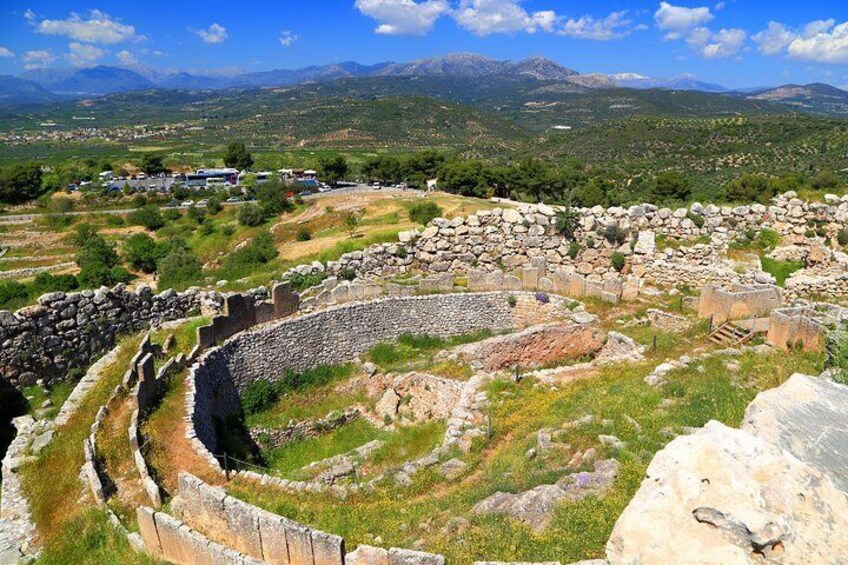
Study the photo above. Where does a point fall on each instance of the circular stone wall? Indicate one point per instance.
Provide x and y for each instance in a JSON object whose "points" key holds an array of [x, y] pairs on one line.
{"points": [[337, 335]]}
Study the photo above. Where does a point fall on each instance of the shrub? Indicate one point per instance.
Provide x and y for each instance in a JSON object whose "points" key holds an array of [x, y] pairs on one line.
{"points": [[98, 262], [696, 219], [257, 396], [45, 282], [302, 282], [12, 290], [179, 269], [213, 205], [147, 216], [315, 377], [171, 214], [543, 298], [618, 261], [615, 234], [567, 221], [196, 214], [251, 215], [348, 274], [259, 251], [511, 300], [206, 228], [424, 212], [142, 252], [842, 237], [228, 230], [769, 238], [400, 251], [351, 222], [303, 234], [573, 250]]}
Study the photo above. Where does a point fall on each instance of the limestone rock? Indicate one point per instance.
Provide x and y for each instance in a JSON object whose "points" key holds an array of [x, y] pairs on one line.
{"points": [[808, 417], [721, 495]]}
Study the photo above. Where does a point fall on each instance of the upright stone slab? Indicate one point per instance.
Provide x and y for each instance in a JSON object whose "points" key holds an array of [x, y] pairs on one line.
{"points": [[241, 311], [203, 506], [530, 278], [299, 541], [340, 294], [272, 530], [477, 280], [327, 549], [264, 312], [146, 368], [147, 529], [495, 280], [205, 336], [172, 539], [576, 285], [511, 282], [244, 531]]}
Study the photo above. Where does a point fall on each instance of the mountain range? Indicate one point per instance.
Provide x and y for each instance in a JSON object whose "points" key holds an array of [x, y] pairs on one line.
{"points": [[51, 85]]}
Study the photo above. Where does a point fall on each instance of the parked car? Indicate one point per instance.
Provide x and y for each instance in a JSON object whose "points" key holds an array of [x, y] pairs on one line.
{"points": [[203, 202], [305, 193], [188, 203], [172, 204], [233, 199]]}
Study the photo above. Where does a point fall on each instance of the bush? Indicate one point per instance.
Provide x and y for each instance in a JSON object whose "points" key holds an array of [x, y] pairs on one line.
{"points": [[749, 188], [302, 282], [228, 230], [213, 205], [424, 212], [842, 237], [511, 300], [172, 214], [769, 238], [400, 252], [142, 252], [696, 219], [543, 298], [196, 214], [257, 396], [97, 261], [671, 186], [179, 269], [147, 216], [615, 234], [573, 250], [303, 234], [251, 215], [45, 282], [206, 228], [12, 290], [567, 221], [837, 355], [316, 377], [258, 252], [618, 261]]}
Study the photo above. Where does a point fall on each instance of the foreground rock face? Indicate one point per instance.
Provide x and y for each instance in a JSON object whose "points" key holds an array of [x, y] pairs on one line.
{"points": [[808, 417], [721, 495], [534, 347]]}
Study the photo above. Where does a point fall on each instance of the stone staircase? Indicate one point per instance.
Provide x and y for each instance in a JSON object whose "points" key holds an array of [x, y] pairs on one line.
{"points": [[730, 334]]}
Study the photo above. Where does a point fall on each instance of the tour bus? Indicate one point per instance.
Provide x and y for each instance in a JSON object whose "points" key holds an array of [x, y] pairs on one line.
{"points": [[219, 177]]}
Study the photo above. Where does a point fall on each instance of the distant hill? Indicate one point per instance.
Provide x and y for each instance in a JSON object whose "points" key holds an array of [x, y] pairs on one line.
{"points": [[101, 80], [817, 97], [14, 90], [630, 80]]}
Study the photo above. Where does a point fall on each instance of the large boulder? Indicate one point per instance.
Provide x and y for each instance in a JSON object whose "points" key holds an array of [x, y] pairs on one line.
{"points": [[721, 495], [808, 417]]}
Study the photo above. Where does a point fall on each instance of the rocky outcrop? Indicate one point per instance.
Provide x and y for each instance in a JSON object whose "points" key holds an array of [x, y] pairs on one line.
{"points": [[721, 495], [536, 506], [534, 347]]}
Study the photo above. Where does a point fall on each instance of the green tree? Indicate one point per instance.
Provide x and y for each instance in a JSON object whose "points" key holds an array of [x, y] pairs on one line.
{"points": [[423, 212], [147, 216], [142, 252], [333, 169], [152, 164], [21, 183], [237, 156], [251, 215], [671, 186], [213, 205], [179, 269], [272, 198], [98, 264], [749, 188], [351, 222]]}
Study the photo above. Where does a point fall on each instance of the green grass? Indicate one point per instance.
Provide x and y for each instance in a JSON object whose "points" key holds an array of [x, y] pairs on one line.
{"points": [[74, 532], [579, 530], [416, 351], [290, 458], [780, 270]]}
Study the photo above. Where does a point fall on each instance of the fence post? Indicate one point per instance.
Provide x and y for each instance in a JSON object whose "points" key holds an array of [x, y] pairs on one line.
{"points": [[226, 466], [711, 324], [655, 342]]}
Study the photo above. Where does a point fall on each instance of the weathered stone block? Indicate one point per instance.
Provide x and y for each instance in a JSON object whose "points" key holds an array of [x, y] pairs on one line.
{"points": [[410, 557], [327, 549]]}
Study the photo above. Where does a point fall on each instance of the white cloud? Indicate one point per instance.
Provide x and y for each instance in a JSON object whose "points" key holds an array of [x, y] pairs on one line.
{"points": [[678, 21], [287, 38], [403, 17], [722, 44], [487, 17], [5, 53], [216, 33], [83, 54], [774, 39], [820, 41], [97, 27], [824, 45], [588, 27], [126, 58], [39, 59]]}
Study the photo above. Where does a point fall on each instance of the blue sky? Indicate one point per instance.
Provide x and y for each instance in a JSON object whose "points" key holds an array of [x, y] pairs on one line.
{"points": [[733, 42]]}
